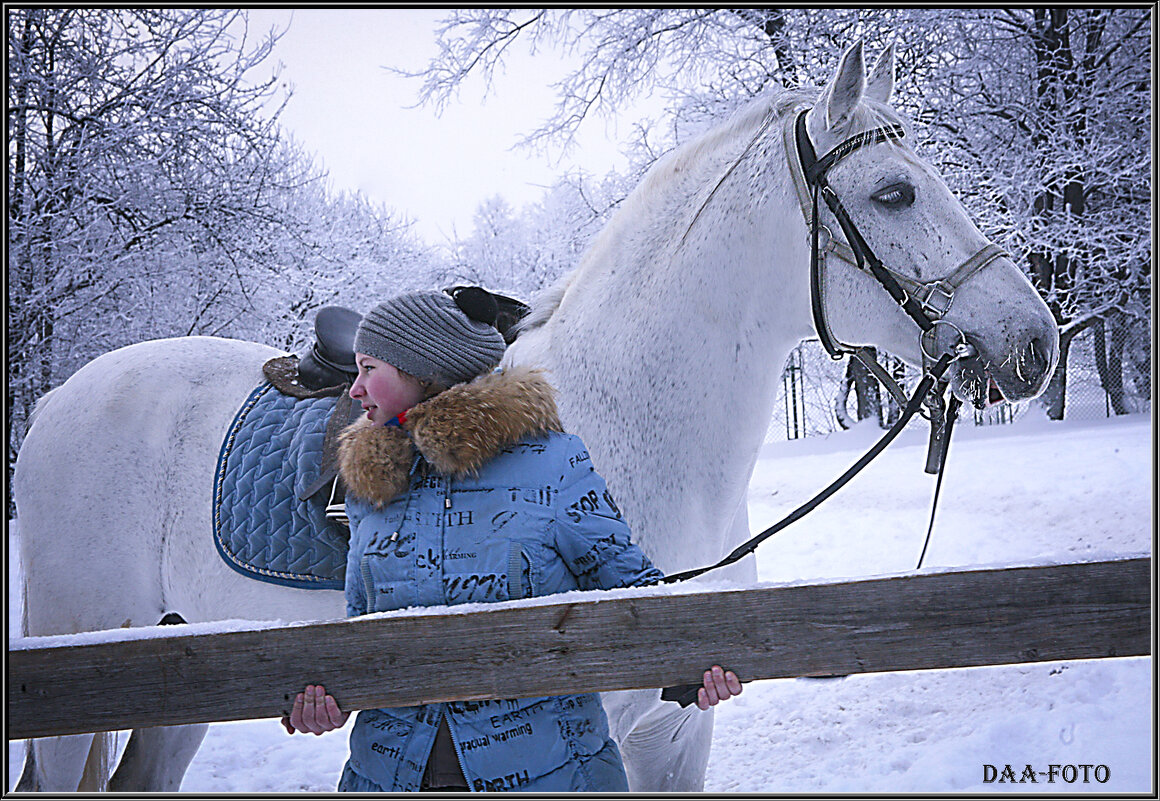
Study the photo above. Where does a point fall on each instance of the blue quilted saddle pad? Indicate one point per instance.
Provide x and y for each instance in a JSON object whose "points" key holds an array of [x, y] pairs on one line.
{"points": [[271, 453]]}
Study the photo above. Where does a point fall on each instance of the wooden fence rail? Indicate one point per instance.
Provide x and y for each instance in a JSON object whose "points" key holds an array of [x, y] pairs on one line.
{"points": [[926, 621]]}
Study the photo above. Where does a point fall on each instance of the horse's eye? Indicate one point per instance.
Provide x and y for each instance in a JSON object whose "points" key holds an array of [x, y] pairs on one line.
{"points": [[895, 196]]}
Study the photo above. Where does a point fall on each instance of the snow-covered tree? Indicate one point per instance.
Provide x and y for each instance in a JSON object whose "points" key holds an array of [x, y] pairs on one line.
{"points": [[152, 193], [134, 147], [1047, 114], [519, 252], [1038, 118]]}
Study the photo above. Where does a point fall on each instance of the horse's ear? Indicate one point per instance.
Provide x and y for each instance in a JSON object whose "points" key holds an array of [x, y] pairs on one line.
{"points": [[845, 89], [880, 83]]}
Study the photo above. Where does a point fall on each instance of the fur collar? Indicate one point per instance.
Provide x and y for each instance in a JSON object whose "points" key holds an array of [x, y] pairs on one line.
{"points": [[457, 432]]}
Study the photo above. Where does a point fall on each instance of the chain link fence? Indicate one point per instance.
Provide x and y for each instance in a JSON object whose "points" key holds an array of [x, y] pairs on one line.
{"points": [[1125, 388], [817, 394]]}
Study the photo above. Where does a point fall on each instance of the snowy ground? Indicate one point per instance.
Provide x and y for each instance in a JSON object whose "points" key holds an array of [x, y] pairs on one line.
{"points": [[1032, 492]]}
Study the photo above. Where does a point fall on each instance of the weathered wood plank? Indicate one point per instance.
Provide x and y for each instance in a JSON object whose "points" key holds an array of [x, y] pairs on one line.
{"points": [[942, 620]]}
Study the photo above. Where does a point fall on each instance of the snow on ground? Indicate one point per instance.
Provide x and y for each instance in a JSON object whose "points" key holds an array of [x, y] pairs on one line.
{"points": [[1031, 492]]}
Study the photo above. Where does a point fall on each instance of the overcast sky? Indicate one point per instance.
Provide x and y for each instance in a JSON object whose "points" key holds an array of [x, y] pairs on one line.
{"points": [[353, 114]]}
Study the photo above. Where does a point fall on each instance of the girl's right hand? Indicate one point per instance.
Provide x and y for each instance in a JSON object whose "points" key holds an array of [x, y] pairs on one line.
{"points": [[315, 712]]}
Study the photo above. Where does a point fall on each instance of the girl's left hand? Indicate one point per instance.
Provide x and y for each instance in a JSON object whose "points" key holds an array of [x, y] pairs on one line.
{"points": [[315, 712], [719, 685]]}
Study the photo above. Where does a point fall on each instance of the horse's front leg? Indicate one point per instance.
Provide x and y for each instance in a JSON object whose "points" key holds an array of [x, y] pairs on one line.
{"points": [[668, 750], [155, 760]]}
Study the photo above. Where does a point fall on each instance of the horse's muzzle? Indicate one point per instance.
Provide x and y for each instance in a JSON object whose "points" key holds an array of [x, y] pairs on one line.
{"points": [[1021, 374]]}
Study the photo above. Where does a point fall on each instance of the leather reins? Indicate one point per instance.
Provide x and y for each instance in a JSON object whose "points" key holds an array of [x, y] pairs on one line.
{"points": [[925, 302]]}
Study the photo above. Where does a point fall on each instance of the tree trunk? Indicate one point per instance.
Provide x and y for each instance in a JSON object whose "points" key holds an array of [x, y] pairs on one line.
{"points": [[1138, 361], [19, 269], [1109, 362], [1054, 273], [897, 369], [1052, 399], [842, 400], [774, 27], [1053, 396]]}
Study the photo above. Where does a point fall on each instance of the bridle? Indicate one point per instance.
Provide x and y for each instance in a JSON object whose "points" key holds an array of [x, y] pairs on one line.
{"points": [[925, 302]]}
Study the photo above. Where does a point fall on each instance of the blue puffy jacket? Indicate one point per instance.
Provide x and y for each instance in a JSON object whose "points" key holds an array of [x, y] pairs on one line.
{"points": [[479, 497]]}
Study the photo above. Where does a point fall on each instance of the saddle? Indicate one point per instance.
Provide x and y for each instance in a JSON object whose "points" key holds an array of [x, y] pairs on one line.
{"points": [[328, 369]]}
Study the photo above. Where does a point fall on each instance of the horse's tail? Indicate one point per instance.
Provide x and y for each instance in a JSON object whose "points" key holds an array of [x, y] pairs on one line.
{"points": [[37, 407], [102, 752], [27, 782], [99, 765]]}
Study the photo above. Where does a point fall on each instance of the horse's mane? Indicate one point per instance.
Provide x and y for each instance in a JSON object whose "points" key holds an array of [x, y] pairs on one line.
{"points": [[735, 135], [544, 303], [728, 136]]}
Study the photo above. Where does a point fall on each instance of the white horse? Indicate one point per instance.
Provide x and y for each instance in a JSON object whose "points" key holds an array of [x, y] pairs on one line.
{"points": [[665, 344]]}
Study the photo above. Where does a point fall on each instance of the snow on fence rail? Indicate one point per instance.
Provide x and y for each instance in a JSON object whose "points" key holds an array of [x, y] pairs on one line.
{"points": [[926, 621]]}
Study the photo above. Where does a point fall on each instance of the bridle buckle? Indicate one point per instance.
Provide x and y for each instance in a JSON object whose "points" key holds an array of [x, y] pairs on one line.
{"points": [[936, 297]]}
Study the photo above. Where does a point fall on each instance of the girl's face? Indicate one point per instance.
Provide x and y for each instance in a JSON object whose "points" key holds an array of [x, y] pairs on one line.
{"points": [[383, 390]]}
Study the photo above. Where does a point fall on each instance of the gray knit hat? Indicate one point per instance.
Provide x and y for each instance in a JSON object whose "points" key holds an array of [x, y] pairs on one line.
{"points": [[427, 335]]}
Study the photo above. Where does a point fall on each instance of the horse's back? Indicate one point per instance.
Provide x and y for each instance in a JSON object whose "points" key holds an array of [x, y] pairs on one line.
{"points": [[115, 458], [143, 373], [141, 399]]}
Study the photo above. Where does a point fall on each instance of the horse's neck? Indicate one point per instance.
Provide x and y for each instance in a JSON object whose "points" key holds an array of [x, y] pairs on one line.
{"points": [[667, 357]]}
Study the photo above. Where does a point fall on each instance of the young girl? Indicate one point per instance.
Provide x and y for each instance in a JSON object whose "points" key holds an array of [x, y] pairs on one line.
{"points": [[462, 487]]}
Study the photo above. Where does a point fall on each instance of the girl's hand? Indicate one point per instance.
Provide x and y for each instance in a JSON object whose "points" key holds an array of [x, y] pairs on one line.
{"points": [[719, 685], [315, 712]]}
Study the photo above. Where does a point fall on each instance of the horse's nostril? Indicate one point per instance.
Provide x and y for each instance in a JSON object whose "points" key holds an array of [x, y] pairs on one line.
{"points": [[1039, 354], [1033, 361]]}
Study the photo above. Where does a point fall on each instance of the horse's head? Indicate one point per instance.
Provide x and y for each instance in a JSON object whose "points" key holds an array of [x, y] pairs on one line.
{"points": [[909, 219]]}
